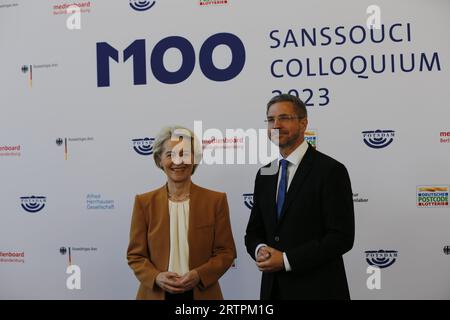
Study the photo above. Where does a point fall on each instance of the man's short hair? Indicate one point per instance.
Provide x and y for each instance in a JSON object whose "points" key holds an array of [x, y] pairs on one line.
{"points": [[299, 106]]}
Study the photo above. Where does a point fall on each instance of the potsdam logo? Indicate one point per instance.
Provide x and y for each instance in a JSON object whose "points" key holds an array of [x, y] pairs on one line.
{"points": [[379, 138], [33, 204], [211, 2], [248, 200], [381, 258], [311, 137], [141, 5], [143, 146], [432, 196]]}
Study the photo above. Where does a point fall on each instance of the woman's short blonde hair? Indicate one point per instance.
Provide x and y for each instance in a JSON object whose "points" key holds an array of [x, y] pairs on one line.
{"points": [[175, 133]]}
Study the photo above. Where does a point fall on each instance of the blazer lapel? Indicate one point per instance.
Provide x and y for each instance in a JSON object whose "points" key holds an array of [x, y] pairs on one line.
{"points": [[162, 213], [194, 198], [302, 172]]}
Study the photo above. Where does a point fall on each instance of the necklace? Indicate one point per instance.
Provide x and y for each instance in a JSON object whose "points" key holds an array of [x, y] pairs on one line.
{"points": [[178, 198], [174, 197]]}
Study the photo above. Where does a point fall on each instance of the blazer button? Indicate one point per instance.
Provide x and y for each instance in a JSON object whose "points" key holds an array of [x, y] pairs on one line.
{"points": [[277, 238]]}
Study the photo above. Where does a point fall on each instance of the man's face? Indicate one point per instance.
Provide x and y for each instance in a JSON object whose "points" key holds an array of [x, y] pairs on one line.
{"points": [[290, 131]]}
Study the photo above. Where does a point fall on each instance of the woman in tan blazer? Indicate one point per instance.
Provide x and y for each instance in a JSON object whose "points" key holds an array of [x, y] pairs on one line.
{"points": [[180, 240]]}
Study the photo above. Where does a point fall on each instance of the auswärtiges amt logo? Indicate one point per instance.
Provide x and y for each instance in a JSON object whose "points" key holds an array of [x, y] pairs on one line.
{"points": [[59, 142], [143, 146], [33, 204], [381, 258], [378, 139], [64, 250], [141, 5], [28, 68]]}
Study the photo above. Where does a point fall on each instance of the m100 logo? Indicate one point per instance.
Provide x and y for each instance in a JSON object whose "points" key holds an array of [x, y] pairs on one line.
{"points": [[137, 50]]}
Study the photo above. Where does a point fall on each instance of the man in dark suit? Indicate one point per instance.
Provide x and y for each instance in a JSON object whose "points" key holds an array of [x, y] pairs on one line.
{"points": [[302, 220]]}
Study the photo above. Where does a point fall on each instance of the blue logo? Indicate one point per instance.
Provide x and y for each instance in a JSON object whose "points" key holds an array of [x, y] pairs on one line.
{"points": [[248, 200], [381, 258], [33, 204], [141, 5], [379, 138], [143, 146]]}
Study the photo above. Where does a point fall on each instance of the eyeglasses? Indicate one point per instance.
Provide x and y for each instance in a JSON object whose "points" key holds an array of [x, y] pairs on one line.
{"points": [[281, 119]]}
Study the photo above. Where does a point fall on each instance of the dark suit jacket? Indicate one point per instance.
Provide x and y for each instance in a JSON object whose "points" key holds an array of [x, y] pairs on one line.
{"points": [[315, 230], [211, 244]]}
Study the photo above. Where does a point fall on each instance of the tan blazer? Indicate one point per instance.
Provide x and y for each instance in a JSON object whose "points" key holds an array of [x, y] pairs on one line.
{"points": [[211, 244]]}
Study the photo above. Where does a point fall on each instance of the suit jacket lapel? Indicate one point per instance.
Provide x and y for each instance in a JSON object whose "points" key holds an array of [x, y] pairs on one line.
{"points": [[270, 195], [302, 172]]}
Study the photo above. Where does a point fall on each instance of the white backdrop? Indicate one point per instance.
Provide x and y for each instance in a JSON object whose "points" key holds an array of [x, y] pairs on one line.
{"points": [[49, 93]]}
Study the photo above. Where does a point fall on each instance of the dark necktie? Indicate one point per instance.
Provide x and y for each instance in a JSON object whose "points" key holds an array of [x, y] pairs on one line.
{"points": [[282, 188]]}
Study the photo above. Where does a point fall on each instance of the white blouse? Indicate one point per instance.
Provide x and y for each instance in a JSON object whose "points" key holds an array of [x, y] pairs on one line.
{"points": [[179, 246]]}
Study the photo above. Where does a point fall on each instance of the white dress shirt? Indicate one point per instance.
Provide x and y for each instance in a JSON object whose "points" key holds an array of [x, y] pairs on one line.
{"points": [[293, 161]]}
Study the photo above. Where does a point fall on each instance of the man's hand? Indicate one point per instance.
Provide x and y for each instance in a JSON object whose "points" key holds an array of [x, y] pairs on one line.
{"points": [[263, 254], [273, 263], [189, 280], [169, 281]]}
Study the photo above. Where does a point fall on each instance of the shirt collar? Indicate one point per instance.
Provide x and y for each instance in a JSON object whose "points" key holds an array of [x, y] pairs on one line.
{"points": [[297, 155]]}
